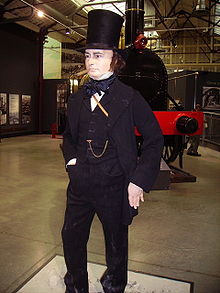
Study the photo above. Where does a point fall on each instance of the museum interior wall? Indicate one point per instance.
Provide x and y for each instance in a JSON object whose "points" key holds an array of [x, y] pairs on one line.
{"points": [[19, 80]]}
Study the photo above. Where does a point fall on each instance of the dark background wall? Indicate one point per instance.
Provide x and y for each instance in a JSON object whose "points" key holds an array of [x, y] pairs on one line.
{"points": [[19, 62]]}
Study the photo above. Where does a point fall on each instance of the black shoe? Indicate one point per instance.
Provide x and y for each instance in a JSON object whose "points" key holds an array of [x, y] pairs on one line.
{"points": [[194, 154]]}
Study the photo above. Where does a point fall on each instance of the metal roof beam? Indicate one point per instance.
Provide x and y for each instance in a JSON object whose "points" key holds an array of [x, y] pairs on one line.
{"points": [[203, 19], [55, 15], [13, 20], [161, 17], [8, 2], [173, 8]]}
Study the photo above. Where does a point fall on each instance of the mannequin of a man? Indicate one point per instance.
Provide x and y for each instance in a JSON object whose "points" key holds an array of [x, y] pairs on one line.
{"points": [[98, 65], [106, 177]]}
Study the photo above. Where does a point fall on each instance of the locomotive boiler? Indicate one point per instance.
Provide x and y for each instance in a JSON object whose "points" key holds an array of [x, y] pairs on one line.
{"points": [[145, 71]]}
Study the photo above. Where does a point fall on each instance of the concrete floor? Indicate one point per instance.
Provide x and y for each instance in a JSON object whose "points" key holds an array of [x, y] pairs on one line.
{"points": [[176, 235]]}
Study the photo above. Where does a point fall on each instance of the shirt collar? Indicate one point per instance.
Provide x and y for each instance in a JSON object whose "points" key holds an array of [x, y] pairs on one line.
{"points": [[105, 75]]}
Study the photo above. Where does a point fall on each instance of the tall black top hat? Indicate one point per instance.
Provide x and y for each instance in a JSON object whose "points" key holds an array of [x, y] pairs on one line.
{"points": [[104, 27]]}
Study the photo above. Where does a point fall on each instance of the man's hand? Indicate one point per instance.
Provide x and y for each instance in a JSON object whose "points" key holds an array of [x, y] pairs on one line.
{"points": [[135, 194]]}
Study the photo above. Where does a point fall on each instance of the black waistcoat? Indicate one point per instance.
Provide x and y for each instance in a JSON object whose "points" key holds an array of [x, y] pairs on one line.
{"points": [[93, 126]]}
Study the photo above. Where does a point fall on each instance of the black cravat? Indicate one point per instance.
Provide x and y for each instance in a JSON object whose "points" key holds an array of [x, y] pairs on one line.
{"points": [[97, 86]]}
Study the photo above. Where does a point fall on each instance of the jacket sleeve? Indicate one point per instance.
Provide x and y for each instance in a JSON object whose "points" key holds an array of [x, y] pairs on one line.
{"points": [[149, 162], [69, 146]]}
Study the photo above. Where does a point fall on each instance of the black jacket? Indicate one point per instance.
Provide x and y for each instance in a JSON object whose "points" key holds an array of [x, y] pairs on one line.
{"points": [[128, 109]]}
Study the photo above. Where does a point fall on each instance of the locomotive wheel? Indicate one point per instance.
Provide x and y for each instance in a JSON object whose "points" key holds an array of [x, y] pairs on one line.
{"points": [[172, 147]]}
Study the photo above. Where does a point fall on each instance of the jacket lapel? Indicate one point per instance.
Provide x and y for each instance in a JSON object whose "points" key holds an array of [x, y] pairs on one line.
{"points": [[106, 99], [120, 101]]}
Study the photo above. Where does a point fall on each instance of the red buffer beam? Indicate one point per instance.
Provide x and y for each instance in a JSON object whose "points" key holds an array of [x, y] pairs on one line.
{"points": [[179, 122]]}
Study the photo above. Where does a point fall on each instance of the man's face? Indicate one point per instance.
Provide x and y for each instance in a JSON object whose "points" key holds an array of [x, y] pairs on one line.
{"points": [[98, 62]]}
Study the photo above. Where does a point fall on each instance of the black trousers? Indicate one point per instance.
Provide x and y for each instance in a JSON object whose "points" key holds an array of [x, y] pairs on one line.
{"points": [[95, 189], [194, 144]]}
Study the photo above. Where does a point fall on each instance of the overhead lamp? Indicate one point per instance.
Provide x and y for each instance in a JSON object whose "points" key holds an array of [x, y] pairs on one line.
{"points": [[200, 8], [68, 32], [200, 5], [40, 13]]}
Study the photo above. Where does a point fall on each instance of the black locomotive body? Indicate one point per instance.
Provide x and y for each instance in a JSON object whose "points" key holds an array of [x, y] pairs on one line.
{"points": [[146, 72]]}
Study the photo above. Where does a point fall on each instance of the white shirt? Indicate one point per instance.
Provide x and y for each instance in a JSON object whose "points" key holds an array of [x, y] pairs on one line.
{"points": [[98, 97]]}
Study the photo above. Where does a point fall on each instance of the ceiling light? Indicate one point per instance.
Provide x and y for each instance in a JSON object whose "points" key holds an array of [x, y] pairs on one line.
{"points": [[201, 5], [40, 13], [68, 31], [200, 8]]}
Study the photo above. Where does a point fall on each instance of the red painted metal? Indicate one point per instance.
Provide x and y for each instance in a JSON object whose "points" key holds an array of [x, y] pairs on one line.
{"points": [[167, 121], [140, 42], [54, 130]]}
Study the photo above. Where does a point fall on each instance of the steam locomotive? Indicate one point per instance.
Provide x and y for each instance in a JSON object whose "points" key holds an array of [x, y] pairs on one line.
{"points": [[146, 72]]}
